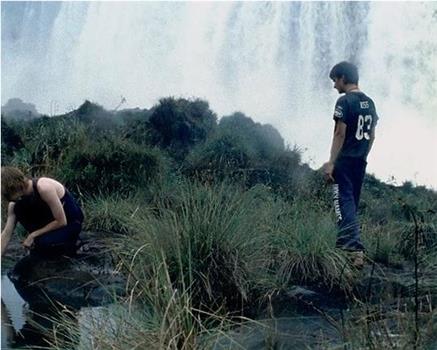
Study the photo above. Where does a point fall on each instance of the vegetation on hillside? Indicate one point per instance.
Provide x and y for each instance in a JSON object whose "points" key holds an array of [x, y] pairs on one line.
{"points": [[211, 217]]}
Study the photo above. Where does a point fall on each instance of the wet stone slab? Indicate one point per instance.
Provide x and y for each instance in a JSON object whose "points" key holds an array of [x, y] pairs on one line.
{"points": [[87, 278]]}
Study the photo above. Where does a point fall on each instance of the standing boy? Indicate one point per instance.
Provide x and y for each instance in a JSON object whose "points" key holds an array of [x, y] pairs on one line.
{"points": [[355, 120]]}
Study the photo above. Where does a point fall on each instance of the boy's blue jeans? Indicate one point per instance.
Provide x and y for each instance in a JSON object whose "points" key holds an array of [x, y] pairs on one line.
{"points": [[349, 175]]}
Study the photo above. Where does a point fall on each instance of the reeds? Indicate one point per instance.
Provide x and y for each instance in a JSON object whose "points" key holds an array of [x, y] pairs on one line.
{"points": [[198, 256]]}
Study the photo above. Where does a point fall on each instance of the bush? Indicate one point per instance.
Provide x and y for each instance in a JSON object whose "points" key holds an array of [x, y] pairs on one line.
{"points": [[227, 156], [137, 126], [261, 141], [46, 141], [110, 165], [11, 142], [222, 156], [249, 153], [94, 116], [282, 171], [178, 124]]}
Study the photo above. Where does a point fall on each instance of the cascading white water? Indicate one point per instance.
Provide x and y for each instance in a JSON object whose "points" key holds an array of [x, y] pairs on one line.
{"points": [[269, 60], [401, 72]]}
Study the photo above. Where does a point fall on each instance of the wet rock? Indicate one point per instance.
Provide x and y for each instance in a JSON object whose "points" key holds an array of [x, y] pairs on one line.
{"points": [[87, 278], [302, 293], [377, 283], [299, 332]]}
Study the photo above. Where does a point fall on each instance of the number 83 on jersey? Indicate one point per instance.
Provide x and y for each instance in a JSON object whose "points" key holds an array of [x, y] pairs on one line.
{"points": [[364, 127]]}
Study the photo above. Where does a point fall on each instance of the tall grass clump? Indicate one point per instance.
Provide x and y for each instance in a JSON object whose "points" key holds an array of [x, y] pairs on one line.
{"points": [[384, 328], [304, 245], [427, 240], [191, 262], [170, 322], [113, 213], [211, 239], [382, 241]]}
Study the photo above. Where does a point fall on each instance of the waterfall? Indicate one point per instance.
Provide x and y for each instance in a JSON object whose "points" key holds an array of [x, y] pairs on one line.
{"points": [[401, 73], [269, 60]]}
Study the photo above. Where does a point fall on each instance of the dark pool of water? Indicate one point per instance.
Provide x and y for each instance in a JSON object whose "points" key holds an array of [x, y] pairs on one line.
{"points": [[26, 325]]}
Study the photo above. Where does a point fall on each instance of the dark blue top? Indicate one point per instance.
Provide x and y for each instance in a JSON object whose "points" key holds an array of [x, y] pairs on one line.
{"points": [[34, 213], [358, 112]]}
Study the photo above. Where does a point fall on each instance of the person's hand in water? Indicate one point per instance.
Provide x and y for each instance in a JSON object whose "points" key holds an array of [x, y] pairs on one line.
{"points": [[7, 232]]}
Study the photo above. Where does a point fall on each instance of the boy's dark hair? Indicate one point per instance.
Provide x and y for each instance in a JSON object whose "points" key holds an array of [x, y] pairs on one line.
{"points": [[347, 70]]}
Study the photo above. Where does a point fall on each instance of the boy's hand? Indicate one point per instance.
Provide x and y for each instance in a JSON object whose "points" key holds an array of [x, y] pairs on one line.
{"points": [[28, 242], [328, 169]]}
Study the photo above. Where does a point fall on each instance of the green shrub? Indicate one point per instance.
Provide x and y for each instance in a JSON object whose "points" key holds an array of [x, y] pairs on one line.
{"points": [[46, 142], [11, 142], [137, 127], [95, 117], [219, 158], [110, 165], [282, 171], [178, 124], [261, 141]]}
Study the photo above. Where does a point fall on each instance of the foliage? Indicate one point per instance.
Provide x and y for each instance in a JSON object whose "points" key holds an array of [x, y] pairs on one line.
{"points": [[208, 218], [208, 238], [220, 157], [304, 247], [11, 142], [46, 142], [177, 124], [249, 153], [137, 126], [94, 116], [109, 165], [262, 141], [112, 213]]}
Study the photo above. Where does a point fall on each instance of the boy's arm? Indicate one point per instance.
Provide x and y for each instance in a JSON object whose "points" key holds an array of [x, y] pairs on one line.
{"points": [[372, 138], [337, 144], [11, 221], [337, 140]]}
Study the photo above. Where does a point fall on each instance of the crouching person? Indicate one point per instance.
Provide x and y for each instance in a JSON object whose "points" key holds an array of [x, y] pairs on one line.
{"points": [[45, 208]]}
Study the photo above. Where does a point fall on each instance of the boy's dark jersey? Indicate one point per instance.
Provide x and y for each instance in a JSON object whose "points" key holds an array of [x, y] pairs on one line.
{"points": [[358, 112]]}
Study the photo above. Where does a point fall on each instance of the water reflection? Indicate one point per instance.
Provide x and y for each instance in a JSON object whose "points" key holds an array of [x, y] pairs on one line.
{"points": [[27, 323], [65, 294]]}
